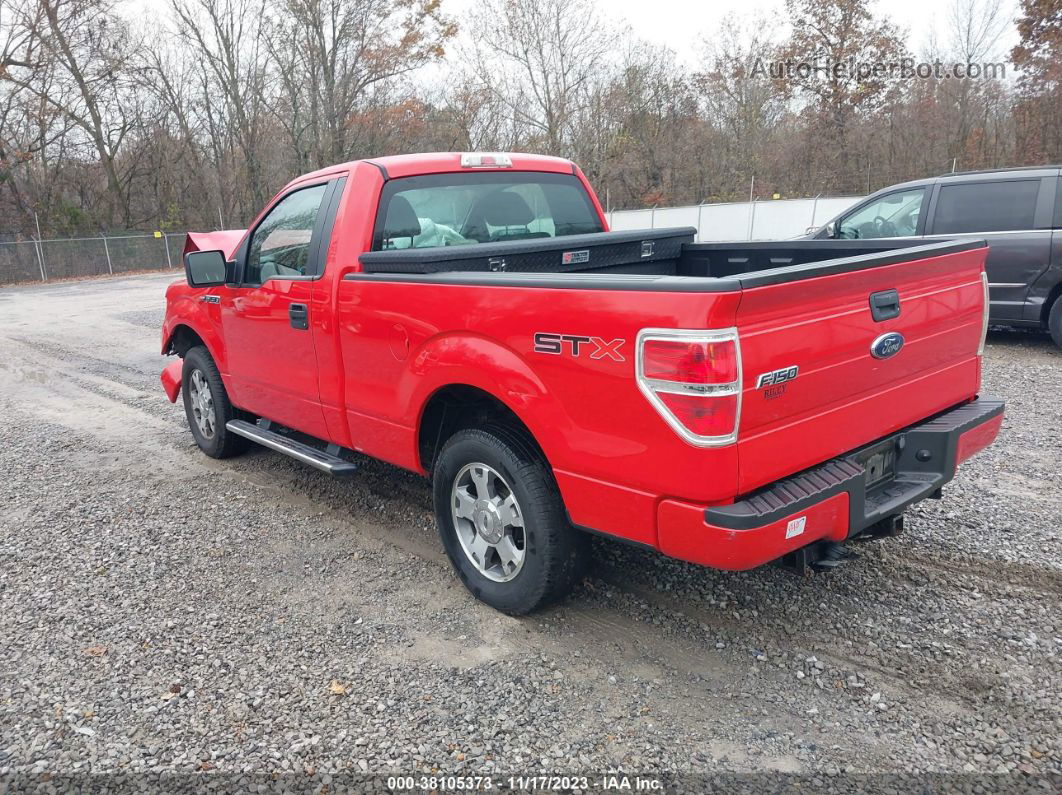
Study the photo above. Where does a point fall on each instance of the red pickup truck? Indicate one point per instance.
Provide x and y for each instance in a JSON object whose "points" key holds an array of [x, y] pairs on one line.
{"points": [[469, 317]]}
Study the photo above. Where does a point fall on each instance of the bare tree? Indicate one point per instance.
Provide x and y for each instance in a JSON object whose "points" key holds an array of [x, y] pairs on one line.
{"points": [[831, 37], [89, 49], [332, 53], [542, 60], [744, 105], [1039, 57], [226, 38], [974, 28]]}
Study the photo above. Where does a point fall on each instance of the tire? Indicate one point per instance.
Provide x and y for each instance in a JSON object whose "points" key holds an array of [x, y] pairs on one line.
{"points": [[1054, 321], [553, 555], [207, 406]]}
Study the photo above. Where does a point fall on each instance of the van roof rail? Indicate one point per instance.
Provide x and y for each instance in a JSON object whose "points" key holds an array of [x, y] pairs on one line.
{"points": [[1045, 167]]}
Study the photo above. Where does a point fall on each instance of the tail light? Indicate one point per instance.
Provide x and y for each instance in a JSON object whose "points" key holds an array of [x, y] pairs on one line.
{"points": [[693, 379], [984, 318]]}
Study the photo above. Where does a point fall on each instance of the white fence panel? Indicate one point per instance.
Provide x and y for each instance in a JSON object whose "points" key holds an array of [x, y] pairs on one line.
{"points": [[724, 222], [761, 220], [676, 216], [630, 219]]}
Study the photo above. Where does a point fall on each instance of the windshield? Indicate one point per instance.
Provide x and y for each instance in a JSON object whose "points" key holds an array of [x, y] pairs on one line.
{"points": [[892, 215], [468, 208]]}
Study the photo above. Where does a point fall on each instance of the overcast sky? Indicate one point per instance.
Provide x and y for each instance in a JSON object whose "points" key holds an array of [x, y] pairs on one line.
{"points": [[685, 25]]}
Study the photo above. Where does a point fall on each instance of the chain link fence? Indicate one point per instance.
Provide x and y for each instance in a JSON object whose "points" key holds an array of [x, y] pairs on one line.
{"points": [[44, 260], [32, 260]]}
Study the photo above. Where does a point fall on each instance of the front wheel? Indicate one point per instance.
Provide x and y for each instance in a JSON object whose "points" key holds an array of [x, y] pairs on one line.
{"points": [[1054, 321], [502, 521], [207, 406]]}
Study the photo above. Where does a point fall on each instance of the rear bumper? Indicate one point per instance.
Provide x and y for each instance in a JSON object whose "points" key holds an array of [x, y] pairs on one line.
{"points": [[831, 501]]}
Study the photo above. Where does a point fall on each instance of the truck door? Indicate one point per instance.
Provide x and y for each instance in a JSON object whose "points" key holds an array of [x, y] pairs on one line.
{"points": [[1013, 216], [265, 318]]}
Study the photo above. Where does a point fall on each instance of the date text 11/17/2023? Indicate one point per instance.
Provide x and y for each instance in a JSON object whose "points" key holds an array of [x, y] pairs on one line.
{"points": [[529, 783]]}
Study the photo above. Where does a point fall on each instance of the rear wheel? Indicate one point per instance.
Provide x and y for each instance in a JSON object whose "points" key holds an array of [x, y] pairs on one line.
{"points": [[502, 521], [1054, 321], [207, 406]]}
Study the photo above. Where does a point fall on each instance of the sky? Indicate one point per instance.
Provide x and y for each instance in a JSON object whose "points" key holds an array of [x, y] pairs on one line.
{"points": [[686, 25]]}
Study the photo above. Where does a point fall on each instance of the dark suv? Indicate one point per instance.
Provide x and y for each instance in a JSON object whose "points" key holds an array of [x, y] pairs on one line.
{"points": [[1018, 211]]}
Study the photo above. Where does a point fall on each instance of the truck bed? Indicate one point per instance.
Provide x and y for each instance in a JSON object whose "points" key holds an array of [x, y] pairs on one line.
{"points": [[669, 255]]}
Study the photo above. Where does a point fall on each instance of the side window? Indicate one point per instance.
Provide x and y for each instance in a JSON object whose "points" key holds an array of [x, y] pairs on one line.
{"points": [[891, 215], [986, 206], [280, 245]]}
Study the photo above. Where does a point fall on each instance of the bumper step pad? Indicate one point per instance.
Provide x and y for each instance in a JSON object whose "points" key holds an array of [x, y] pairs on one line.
{"points": [[925, 459]]}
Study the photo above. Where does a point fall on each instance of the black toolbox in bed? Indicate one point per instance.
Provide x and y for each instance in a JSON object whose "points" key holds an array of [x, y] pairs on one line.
{"points": [[607, 251]]}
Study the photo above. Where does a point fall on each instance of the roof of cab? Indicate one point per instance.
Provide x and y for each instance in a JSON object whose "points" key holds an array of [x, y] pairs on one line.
{"points": [[395, 166]]}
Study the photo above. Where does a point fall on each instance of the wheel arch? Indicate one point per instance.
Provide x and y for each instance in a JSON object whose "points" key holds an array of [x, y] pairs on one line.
{"points": [[183, 338], [182, 331], [457, 406], [1052, 297]]}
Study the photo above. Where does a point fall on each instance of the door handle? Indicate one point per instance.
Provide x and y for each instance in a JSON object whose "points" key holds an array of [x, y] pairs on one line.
{"points": [[299, 316], [885, 305]]}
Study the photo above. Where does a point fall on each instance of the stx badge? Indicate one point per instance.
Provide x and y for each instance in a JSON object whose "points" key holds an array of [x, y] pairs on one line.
{"points": [[577, 346]]}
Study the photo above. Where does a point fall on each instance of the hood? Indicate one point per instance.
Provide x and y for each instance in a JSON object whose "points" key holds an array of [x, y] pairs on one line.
{"points": [[226, 241]]}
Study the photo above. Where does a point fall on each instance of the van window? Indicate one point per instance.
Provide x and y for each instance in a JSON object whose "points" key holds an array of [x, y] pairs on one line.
{"points": [[986, 206], [892, 215]]}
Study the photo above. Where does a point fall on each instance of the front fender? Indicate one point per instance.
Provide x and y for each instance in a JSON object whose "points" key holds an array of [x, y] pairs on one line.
{"points": [[187, 310]]}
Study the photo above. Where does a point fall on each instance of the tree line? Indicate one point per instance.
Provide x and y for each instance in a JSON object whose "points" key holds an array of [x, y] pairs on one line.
{"points": [[193, 114]]}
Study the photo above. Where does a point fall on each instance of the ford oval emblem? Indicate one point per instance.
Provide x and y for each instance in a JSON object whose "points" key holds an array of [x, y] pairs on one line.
{"points": [[886, 345]]}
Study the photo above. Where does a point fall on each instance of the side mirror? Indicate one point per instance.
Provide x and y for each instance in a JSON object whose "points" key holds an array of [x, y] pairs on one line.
{"points": [[207, 269], [831, 230]]}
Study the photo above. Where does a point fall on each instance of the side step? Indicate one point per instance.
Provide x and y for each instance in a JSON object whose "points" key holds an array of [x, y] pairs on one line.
{"points": [[318, 459]]}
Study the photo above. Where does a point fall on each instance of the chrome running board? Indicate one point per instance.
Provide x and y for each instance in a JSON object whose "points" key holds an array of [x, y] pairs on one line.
{"points": [[318, 459]]}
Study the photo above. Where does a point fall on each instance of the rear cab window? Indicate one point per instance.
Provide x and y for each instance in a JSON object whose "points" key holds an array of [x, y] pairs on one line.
{"points": [[1003, 206], [464, 209]]}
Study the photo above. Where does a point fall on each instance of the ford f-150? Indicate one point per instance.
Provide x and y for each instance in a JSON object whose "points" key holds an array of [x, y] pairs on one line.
{"points": [[470, 318]]}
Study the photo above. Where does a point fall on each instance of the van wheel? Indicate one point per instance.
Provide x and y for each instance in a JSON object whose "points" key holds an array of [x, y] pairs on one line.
{"points": [[1054, 321], [503, 523], [207, 406]]}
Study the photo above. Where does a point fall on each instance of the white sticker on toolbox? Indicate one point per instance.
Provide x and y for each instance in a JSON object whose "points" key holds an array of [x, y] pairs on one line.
{"points": [[795, 526]]}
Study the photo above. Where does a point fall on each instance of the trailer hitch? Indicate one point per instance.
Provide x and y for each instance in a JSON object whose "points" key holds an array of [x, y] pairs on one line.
{"points": [[827, 555]]}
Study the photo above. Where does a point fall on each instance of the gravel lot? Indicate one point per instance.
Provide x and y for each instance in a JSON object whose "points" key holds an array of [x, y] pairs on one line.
{"points": [[163, 613]]}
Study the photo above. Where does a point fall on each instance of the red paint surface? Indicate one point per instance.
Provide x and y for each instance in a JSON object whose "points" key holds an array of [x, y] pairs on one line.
{"points": [[977, 439], [684, 534]]}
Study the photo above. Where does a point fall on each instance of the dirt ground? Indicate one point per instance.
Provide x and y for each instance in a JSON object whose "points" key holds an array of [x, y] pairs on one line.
{"points": [[161, 612]]}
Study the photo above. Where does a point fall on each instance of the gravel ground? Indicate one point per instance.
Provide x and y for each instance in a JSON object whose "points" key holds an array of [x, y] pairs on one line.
{"points": [[162, 613]]}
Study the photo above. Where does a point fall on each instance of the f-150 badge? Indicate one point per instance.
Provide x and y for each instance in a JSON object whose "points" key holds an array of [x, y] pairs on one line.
{"points": [[777, 377]]}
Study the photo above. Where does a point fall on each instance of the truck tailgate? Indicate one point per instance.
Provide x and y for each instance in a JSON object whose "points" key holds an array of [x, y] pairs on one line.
{"points": [[812, 389]]}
